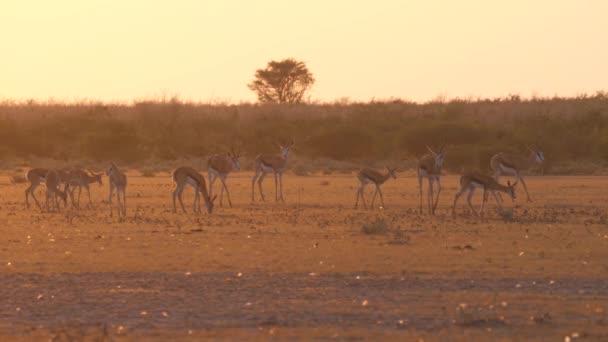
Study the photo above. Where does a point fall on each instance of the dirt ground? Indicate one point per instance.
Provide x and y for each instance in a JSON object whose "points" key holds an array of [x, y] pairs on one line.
{"points": [[306, 269]]}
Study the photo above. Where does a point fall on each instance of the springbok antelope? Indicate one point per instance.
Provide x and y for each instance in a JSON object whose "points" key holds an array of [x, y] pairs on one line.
{"points": [[429, 166], [53, 181], [118, 182], [187, 175], [505, 164], [70, 179], [35, 177], [473, 180], [266, 163], [80, 178], [368, 176], [219, 167]]}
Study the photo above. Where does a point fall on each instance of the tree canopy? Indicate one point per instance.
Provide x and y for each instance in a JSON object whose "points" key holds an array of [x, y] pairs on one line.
{"points": [[284, 81]]}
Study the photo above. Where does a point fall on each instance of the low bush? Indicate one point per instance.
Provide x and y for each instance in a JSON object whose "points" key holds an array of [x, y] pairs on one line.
{"points": [[333, 137]]}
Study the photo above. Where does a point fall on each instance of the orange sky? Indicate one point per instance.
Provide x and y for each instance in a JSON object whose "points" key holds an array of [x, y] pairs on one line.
{"points": [[209, 50]]}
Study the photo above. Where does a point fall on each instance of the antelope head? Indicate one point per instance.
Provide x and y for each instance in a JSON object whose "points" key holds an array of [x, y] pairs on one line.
{"points": [[209, 204], [113, 168], [392, 172], [64, 194], [97, 177], [286, 148], [537, 154], [439, 155], [511, 189], [234, 157]]}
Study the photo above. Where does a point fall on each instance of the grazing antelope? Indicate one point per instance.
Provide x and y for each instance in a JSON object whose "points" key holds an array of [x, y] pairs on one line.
{"points": [[53, 181], [219, 167], [118, 182], [35, 177], [368, 176], [266, 163], [429, 166], [473, 180], [69, 176], [505, 164], [80, 178], [187, 175]]}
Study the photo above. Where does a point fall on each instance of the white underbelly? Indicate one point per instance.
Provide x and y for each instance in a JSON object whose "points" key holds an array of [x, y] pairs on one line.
{"points": [[192, 182], [505, 170], [267, 168], [476, 185]]}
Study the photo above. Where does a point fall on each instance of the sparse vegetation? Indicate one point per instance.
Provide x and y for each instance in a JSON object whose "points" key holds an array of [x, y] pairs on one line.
{"points": [[535, 276], [478, 316], [376, 227], [334, 137], [147, 173]]}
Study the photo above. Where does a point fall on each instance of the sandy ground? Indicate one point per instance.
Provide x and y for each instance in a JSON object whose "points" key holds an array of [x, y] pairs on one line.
{"points": [[305, 269]]}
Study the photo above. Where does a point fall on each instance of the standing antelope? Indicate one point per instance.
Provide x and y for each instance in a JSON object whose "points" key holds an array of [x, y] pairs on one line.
{"points": [[505, 164], [187, 175], [473, 180], [266, 163], [53, 180], [429, 166], [219, 167], [35, 177], [118, 182], [368, 176]]}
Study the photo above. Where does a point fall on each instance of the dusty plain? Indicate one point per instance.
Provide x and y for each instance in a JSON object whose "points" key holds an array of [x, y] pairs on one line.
{"points": [[306, 269]]}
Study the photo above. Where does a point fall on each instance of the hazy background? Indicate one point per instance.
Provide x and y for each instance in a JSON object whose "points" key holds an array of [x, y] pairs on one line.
{"points": [[209, 50]]}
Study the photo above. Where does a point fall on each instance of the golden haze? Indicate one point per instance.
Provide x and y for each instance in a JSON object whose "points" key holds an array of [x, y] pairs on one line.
{"points": [[202, 50]]}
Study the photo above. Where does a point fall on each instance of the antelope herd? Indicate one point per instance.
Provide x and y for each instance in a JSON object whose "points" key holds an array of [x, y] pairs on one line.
{"points": [[221, 165]]}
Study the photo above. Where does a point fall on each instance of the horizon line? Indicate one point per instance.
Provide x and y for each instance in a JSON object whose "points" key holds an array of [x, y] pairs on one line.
{"points": [[344, 100]]}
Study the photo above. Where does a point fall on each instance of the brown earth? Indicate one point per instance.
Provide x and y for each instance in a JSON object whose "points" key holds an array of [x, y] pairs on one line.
{"points": [[306, 269]]}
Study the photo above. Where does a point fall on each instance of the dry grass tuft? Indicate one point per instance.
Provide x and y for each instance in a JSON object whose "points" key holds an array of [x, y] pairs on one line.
{"points": [[376, 227], [478, 316], [147, 173]]}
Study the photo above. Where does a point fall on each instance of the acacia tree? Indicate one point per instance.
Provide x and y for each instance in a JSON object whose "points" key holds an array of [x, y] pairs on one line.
{"points": [[283, 81]]}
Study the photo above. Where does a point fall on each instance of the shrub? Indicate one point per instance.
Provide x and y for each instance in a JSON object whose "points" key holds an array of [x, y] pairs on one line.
{"points": [[378, 226], [336, 137]]}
